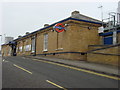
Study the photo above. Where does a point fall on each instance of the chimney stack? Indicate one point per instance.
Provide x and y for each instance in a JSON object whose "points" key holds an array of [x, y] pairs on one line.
{"points": [[27, 33], [75, 14], [19, 36], [45, 25]]}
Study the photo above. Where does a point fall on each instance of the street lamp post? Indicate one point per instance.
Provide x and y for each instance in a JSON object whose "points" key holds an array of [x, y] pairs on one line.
{"points": [[101, 12], [114, 15], [1, 39], [1, 43]]}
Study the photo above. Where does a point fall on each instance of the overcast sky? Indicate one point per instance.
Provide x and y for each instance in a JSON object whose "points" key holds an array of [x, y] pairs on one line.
{"points": [[16, 18]]}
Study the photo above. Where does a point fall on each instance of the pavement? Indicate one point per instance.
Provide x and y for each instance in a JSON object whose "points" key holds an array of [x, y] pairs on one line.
{"points": [[101, 68], [22, 72]]}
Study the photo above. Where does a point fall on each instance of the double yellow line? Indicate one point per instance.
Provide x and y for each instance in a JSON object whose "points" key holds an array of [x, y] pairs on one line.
{"points": [[78, 69]]}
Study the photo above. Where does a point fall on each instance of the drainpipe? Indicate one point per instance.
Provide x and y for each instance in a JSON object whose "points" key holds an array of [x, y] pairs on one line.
{"points": [[114, 37], [114, 32], [35, 44]]}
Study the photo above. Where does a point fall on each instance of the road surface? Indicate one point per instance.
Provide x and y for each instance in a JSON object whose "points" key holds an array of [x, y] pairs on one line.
{"points": [[21, 72]]}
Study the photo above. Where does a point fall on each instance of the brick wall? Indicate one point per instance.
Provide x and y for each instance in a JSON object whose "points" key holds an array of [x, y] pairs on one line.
{"points": [[23, 43], [109, 55], [76, 38], [73, 43], [6, 50]]}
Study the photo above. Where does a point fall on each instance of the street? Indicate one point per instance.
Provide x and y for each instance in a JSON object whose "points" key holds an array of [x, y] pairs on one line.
{"points": [[21, 72]]}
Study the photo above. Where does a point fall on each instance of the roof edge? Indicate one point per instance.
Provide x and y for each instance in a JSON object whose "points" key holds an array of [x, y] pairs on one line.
{"points": [[69, 18]]}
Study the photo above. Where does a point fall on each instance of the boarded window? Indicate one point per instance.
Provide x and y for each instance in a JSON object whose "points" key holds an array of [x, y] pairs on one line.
{"points": [[20, 49], [27, 47], [45, 42], [33, 44]]}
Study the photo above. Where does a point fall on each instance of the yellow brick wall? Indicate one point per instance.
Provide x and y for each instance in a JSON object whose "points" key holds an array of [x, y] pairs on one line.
{"points": [[118, 37], [93, 47], [39, 44], [101, 40], [74, 39], [23, 43], [112, 50], [82, 37], [19, 44], [70, 56], [6, 50], [104, 59], [63, 42], [97, 57]]}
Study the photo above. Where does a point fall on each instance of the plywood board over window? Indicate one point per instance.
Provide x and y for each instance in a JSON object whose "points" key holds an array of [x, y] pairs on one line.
{"points": [[60, 38], [20, 49], [33, 44], [28, 48], [45, 46]]}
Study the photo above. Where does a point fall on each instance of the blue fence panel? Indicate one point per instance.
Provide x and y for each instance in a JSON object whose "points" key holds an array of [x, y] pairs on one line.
{"points": [[108, 40]]}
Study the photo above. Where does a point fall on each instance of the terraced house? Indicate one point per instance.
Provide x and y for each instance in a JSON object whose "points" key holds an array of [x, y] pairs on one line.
{"points": [[72, 38]]}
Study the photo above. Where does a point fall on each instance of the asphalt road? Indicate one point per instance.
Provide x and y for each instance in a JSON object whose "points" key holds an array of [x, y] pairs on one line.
{"points": [[20, 72]]}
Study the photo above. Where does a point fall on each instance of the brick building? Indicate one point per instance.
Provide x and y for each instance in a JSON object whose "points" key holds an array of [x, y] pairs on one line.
{"points": [[80, 31], [79, 36]]}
